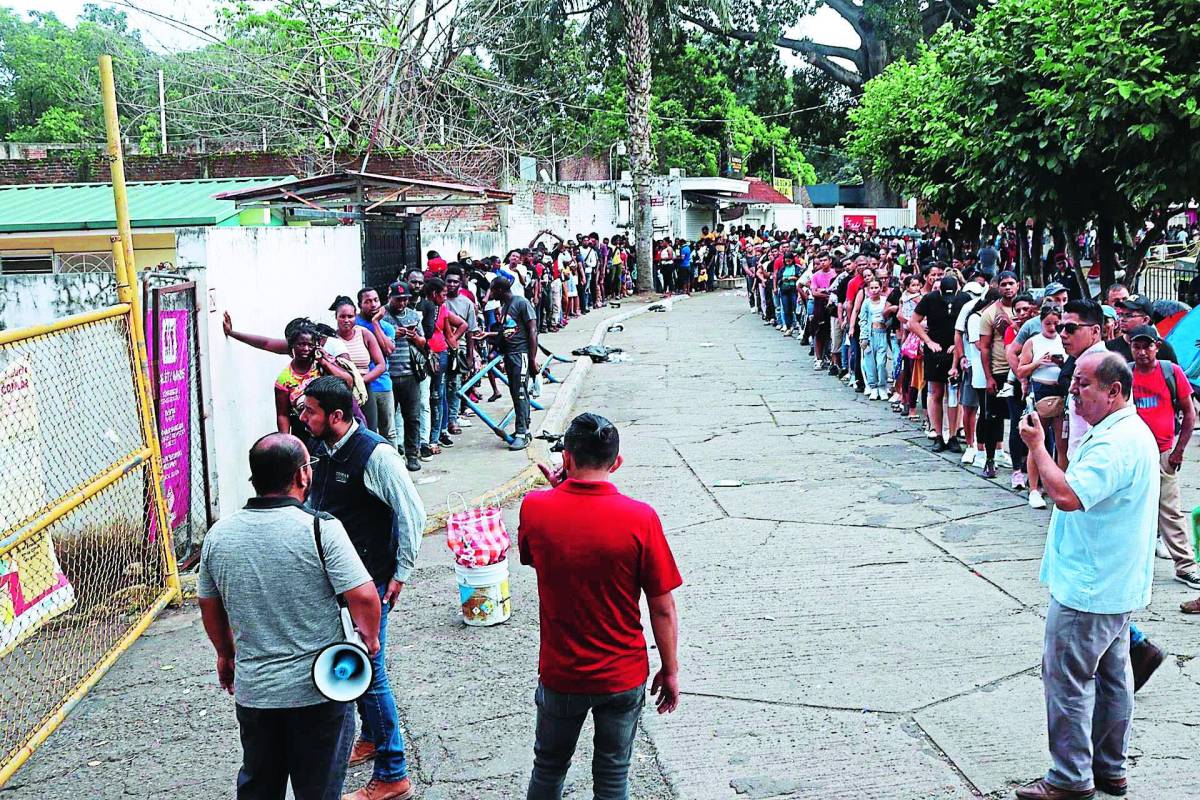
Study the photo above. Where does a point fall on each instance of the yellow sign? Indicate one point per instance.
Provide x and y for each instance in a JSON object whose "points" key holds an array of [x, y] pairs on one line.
{"points": [[784, 187]]}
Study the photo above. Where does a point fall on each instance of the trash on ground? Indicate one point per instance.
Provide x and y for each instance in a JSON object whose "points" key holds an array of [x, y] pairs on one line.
{"points": [[728, 483], [596, 352]]}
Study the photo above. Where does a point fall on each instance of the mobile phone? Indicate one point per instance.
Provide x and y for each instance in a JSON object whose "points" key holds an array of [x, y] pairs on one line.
{"points": [[1057, 359]]}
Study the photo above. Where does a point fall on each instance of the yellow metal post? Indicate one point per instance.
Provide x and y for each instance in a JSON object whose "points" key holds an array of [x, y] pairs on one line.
{"points": [[112, 129]]}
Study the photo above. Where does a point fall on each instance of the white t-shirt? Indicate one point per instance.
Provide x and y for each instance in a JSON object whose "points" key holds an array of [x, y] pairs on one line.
{"points": [[1077, 426], [971, 351]]}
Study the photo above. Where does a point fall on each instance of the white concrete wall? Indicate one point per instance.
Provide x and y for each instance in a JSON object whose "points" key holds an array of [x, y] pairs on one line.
{"points": [[37, 299], [263, 277], [449, 243]]}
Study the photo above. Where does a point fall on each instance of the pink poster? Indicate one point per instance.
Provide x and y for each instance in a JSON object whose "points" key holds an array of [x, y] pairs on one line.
{"points": [[858, 222], [174, 411]]}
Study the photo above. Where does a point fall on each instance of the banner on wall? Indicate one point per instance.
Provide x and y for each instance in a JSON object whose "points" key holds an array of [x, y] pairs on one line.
{"points": [[174, 411], [784, 187], [33, 588], [858, 222]]}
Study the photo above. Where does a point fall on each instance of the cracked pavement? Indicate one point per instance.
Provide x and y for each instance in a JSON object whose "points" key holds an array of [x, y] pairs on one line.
{"points": [[860, 618]]}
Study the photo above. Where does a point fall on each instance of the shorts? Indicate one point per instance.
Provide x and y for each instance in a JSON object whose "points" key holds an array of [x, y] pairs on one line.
{"points": [[968, 396], [937, 366], [835, 333]]}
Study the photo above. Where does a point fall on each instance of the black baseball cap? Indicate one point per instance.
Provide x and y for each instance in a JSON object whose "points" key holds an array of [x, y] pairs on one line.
{"points": [[399, 289], [1139, 303], [1145, 332]]}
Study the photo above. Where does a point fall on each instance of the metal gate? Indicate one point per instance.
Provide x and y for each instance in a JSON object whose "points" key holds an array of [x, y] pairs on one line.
{"points": [[173, 339], [389, 249]]}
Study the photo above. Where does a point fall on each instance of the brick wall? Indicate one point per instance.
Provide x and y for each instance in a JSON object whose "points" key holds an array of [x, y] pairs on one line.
{"points": [[461, 218], [583, 168], [475, 167]]}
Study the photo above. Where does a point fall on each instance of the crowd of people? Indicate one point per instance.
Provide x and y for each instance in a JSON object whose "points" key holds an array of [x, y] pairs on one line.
{"points": [[405, 351]]}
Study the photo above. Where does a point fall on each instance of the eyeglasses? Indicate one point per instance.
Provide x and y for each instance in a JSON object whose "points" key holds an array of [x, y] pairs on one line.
{"points": [[312, 461], [1069, 328]]}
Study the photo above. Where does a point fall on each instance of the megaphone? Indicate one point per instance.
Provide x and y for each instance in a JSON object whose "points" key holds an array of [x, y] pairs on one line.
{"points": [[342, 672]]}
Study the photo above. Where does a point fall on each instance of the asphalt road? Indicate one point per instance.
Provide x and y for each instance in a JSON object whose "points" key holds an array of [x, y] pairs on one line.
{"points": [[860, 618]]}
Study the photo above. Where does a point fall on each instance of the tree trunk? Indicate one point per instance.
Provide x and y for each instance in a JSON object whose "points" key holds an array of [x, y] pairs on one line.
{"points": [[637, 115], [1036, 238], [1137, 257], [1106, 254], [1072, 238]]}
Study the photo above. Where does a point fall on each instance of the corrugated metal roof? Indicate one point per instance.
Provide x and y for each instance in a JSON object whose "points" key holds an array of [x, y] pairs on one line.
{"points": [[89, 206]]}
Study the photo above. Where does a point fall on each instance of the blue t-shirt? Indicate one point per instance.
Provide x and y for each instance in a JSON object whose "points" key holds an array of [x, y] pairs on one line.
{"points": [[1101, 559], [384, 382], [686, 255]]}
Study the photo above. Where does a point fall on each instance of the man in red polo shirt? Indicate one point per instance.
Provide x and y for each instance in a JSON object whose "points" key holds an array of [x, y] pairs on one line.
{"points": [[595, 552]]}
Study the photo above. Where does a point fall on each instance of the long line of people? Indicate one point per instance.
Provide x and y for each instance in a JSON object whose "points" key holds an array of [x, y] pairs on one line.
{"points": [[964, 349]]}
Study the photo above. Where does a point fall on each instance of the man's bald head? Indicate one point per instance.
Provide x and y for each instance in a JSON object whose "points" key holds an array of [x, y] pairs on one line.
{"points": [[1107, 369], [274, 461]]}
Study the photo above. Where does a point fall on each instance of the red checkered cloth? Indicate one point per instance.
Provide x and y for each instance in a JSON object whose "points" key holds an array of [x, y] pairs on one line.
{"points": [[477, 537]]}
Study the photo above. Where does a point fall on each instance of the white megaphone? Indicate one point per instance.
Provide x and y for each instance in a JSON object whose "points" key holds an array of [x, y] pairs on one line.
{"points": [[342, 672]]}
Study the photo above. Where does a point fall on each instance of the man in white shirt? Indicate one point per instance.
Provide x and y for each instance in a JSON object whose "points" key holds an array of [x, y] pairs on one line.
{"points": [[1081, 332]]}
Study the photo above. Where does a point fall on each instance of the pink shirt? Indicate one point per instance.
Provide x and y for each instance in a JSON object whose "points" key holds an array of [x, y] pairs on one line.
{"points": [[821, 280]]}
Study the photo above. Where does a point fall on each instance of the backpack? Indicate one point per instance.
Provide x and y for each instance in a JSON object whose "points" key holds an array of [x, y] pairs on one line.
{"points": [[1167, 368]]}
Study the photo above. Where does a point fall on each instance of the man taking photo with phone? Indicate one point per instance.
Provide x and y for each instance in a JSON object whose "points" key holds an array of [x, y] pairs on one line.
{"points": [[595, 552]]}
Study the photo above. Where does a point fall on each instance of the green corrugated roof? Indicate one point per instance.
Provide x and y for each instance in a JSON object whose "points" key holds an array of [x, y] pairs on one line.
{"points": [[89, 206]]}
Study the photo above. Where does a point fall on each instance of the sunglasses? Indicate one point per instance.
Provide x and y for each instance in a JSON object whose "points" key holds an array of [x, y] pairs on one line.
{"points": [[1070, 327]]}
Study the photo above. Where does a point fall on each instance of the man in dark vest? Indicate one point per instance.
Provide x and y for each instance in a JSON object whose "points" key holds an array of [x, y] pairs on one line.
{"points": [[361, 479]]}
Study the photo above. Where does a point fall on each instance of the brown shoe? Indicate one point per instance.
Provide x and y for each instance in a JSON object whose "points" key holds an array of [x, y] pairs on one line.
{"points": [[383, 790], [1191, 606], [1040, 790], [362, 752], [1117, 787]]}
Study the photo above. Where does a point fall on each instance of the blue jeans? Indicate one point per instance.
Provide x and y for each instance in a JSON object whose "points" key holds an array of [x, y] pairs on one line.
{"points": [[789, 308], [778, 308], [559, 720], [377, 710], [439, 402], [875, 360]]}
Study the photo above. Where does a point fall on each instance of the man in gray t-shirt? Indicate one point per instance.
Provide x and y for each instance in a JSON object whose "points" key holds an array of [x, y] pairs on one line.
{"points": [[464, 306], [269, 607]]}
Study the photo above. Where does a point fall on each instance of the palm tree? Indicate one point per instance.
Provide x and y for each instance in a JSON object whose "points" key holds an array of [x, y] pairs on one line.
{"points": [[636, 16]]}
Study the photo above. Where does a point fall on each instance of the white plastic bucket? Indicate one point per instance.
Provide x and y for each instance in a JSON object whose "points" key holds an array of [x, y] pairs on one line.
{"points": [[483, 593]]}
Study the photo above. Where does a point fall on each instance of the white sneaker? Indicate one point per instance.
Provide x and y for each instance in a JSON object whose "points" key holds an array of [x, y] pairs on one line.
{"points": [[931, 434], [1036, 500], [1002, 457], [968, 457], [1161, 550]]}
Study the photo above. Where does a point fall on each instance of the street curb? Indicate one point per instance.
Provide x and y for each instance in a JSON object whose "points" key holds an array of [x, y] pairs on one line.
{"points": [[555, 420], [539, 451]]}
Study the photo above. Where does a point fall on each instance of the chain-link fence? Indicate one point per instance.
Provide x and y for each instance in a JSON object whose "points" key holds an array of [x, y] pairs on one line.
{"points": [[83, 567]]}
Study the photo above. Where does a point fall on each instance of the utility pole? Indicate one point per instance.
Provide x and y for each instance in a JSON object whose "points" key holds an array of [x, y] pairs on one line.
{"points": [[162, 112]]}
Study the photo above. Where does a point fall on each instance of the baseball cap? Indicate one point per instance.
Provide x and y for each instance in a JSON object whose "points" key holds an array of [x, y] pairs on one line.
{"points": [[1109, 312], [973, 288], [1054, 288], [1145, 332], [399, 289], [463, 255], [1139, 303]]}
